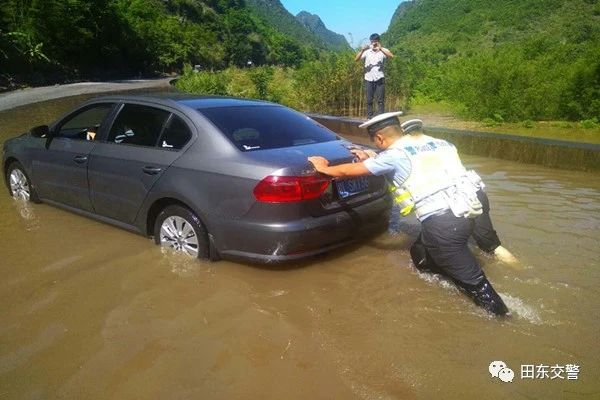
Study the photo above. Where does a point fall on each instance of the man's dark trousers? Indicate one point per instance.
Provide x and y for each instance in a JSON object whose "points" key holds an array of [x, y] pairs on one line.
{"points": [[442, 248], [444, 239], [375, 92]]}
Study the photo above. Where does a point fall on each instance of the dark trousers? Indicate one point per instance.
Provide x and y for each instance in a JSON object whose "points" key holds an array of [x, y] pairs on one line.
{"points": [[375, 92], [442, 248], [484, 234]]}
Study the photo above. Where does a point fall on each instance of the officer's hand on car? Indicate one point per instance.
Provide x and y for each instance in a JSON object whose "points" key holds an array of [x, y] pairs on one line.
{"points": [[319, 162]]}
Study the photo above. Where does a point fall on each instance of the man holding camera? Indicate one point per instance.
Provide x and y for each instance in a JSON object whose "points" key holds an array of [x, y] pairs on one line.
{"points": [[374, 56]]}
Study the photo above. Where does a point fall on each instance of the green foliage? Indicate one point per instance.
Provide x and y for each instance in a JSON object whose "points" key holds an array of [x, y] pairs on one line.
{"points": [[26, 47], [261, 78], [264, 83], [562, 124], [489, 60], [203, 82], [272, 12], [527, 60], [331, 85], [332, 40], [589, 123], [581, 97], [489, 122], [59, 39], [528, 124]]}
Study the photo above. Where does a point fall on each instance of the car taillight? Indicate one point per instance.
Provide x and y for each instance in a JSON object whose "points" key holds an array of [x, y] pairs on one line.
{"points": [[278, 189]]}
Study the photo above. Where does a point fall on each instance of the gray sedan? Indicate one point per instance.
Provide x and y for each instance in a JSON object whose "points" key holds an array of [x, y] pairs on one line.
{"points": [[208, 176]]}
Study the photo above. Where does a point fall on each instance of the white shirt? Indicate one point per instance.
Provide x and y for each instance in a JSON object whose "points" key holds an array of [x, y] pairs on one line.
{"points": [[373, 64]]}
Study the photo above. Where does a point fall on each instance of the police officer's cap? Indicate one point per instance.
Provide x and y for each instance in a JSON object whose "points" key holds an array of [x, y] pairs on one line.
{"points": [[381, 121], [411, 125]]}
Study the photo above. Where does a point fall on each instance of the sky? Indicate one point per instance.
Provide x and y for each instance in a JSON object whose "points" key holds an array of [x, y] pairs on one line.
{"points": [[355, 19]]}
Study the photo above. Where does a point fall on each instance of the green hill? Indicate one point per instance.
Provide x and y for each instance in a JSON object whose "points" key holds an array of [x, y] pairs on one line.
{"points": [[273, 12], [513, 60], [47, 41], [316, 26]]}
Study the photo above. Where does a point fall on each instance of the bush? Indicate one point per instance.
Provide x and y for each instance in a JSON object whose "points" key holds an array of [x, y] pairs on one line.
{"points": [[527, 123], [489, 122], [265, 83], [589, 123], [203, 82], [561, 124]]}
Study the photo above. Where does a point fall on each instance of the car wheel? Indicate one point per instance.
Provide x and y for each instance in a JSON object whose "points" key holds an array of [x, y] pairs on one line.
{"points": [[19, 183], [180, 229]]}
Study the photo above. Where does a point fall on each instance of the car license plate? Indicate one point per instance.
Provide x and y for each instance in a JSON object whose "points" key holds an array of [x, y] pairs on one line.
{"points": [[350, 187]]}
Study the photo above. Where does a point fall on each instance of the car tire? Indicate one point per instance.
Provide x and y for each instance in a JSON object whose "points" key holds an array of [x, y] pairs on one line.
{"points": [[178, 228], [19, 184]]}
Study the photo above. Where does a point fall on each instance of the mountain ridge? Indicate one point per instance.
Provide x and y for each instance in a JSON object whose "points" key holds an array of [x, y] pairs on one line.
{"points": [[315, 24], [276, 15]]}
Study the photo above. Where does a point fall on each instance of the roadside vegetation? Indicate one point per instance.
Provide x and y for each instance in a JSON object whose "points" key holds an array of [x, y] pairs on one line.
{"points": [[531, 66], [499, 61], [304, 88], [332, 84], [48, 41]]}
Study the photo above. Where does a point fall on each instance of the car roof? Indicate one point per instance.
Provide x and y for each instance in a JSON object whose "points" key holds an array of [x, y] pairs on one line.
{"points": [[189, 100]]}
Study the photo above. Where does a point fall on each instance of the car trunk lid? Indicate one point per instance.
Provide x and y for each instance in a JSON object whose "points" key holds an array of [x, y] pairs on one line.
{"points": [[341, 193]]}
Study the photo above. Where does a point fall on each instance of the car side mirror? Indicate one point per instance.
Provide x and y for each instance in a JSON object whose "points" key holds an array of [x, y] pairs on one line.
{"points": [[42, 131]]}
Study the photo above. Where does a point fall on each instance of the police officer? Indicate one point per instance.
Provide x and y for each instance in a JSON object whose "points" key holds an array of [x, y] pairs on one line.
{"points": [[428, 179]]}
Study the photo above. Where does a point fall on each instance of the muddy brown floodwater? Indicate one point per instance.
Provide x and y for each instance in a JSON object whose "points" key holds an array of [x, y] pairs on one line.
{"points": [[89, 311]]}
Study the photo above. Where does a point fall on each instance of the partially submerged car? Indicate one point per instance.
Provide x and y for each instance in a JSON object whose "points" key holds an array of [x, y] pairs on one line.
{"points": [[208, 176]]}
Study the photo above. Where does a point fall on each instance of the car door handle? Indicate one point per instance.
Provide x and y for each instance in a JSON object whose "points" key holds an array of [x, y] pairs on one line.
{"points": [[151, 170], [80, 159]]}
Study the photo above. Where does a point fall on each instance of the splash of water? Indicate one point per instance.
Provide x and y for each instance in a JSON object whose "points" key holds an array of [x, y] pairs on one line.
{"points": [[522, 310], [182, 264]]}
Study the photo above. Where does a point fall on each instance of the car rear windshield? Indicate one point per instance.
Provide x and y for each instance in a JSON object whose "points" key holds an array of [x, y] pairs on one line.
{"points": [[253, 128]]}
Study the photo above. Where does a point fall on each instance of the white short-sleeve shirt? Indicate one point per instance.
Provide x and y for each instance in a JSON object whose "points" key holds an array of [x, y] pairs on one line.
{"points": [[373, 64]]}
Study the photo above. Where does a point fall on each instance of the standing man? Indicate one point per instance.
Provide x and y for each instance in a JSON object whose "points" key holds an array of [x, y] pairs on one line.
{"points": [[374, 56], [429, 179]]}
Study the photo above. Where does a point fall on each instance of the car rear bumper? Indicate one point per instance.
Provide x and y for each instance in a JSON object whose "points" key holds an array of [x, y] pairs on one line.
{"points": [[280, 242]]}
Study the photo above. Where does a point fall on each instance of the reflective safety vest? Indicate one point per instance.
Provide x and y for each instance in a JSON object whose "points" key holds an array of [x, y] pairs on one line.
{"points": [[438, 181]]}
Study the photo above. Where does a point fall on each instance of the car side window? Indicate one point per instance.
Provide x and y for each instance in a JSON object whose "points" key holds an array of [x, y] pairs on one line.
{"points": [[79, 125], [138, 125], [175, 135]]}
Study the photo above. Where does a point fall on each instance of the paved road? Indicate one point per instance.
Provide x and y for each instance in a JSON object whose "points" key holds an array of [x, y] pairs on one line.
{"points": [[33, 95]]}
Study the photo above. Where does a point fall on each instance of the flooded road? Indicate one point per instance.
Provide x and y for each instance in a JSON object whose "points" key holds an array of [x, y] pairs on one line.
{"points": [[89, 311]]}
